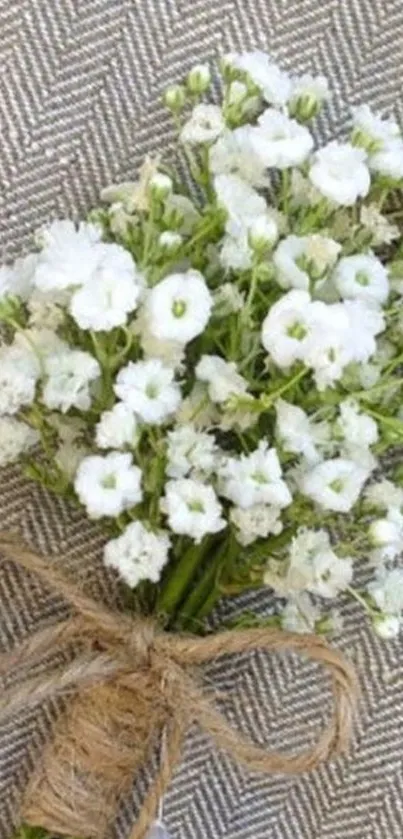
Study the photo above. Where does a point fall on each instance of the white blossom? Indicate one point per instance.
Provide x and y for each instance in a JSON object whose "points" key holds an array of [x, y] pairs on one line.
{"points": [[362, 277], [358, 429], [227, 300], [179, 307], [108, 485], [18, 377], [279, 141], [383, 141], [221, 376], [15, 439], [335, 484], [138, 554], [378, 225], [340, 172], [192, 508], [386, 626], [117, 428], [387, 591], [170, 241], [307, 95], [254, 479], [289, 326], [204, 126], [235, 153], [149, 389], [273, 83], [299, 259], [69, 375], [315, 567], [385, 495], [300, 614], [387, 536], [256, 522], [297, 433], [16, 280], [110, 293], [68, 257], [240, 201], [190, 451]]}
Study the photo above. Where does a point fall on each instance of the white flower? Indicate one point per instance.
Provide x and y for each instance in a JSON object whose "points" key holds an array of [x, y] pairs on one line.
{"points": [[149, 389], [256, 522], [374, 129], [15, 439], [340, 173], [160, 185], [108, 485], [308, 94], [297, 433], [335, 484], [314, 566], [204, 126], [69, 256], [298, 259], [289, 326], [362, 277], [190, 451], [387, 536], [263, 232], [358, 429], [69, 375], [300, 614], [138, 554], [389, 162], [235, 153], [385, 495], [179, 307], [18, 376], [273, 83], [387, 591], [240, 201], [279, 141], [109, 293], [254, 479], [382, 139], [192, 509], [382, 231], [386, 626], [221, 376], [184, 210], [117, 428], [16, 280], [364, 324], [236, 253]]}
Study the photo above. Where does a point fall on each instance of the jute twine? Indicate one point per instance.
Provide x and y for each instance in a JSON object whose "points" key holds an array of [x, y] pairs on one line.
{"points": [[130, 683]]}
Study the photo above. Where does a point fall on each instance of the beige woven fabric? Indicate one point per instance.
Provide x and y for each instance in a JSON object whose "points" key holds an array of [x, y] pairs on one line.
{"points": [[80, 84]]}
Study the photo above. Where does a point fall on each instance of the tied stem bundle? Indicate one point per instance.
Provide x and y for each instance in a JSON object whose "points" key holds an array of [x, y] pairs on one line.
{"points": [[133, 684]]}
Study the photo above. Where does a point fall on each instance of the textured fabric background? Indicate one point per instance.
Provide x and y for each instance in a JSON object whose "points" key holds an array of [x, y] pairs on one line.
{"points": [[80, 85]]}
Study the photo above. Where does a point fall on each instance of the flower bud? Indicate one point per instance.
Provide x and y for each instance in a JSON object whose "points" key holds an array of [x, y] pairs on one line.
{"points": [[175, 98], [160, 186], [237, 92], [169, 241], [309, 94], [262, 233], [199, 79], [386, 626]]}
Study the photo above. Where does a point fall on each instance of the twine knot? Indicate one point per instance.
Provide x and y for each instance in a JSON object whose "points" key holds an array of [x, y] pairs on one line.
{"points": [[133, 686]]}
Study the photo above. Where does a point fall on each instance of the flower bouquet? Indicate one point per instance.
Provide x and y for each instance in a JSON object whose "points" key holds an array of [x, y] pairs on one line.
{"points": [[211, 364]]}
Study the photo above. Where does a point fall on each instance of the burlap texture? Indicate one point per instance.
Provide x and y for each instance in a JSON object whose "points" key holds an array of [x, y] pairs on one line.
{"points": [[80, 85]]}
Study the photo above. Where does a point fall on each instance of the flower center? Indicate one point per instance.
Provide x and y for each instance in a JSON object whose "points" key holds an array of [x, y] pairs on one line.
{"points": [[179, 308], [337, 485], [259, 477], [196, 506], [109, 481], [152, 390], [362, 279], [297, 331]]}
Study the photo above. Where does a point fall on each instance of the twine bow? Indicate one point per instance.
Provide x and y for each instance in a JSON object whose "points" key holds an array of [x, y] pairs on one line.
{"points": [[132, 683]]}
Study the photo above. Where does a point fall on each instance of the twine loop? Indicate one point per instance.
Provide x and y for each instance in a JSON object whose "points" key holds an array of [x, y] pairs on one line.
{"points": [[133, 684]]}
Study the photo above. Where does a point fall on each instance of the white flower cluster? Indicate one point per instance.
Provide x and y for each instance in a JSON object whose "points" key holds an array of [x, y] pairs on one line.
{"points": [[221, 367]]}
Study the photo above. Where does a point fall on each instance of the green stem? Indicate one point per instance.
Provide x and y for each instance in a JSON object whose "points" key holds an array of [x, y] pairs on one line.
{"points": [[178, 581]]}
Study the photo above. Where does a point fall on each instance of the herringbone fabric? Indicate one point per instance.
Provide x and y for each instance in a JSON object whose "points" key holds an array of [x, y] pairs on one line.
{"points": [[80, 85]]}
